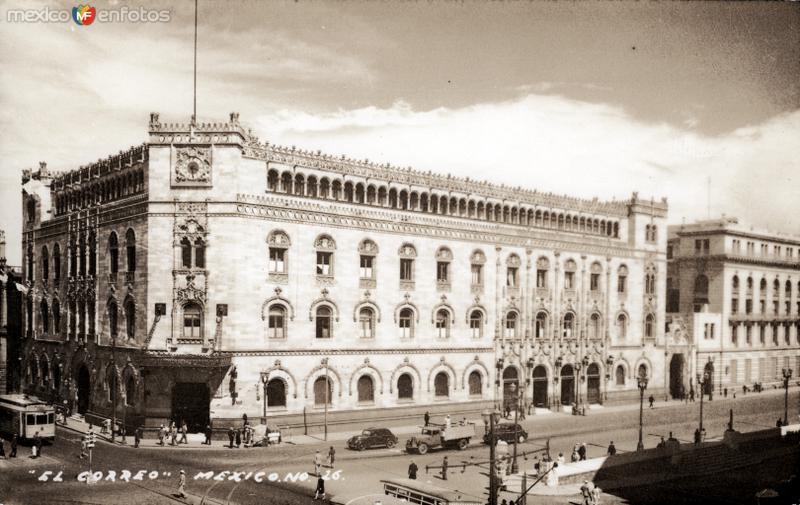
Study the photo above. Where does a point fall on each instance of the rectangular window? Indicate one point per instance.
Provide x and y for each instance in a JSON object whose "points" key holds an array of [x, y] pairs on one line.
{"points": [[777, 250], [366, 270], [751, 248], [475, 327], [541, 279], [737, 246], [276, 329], [477, 275], [748, 306], [698, 246], [775, 305], [734, 334], [442, 268], [734, 305], [748, 334], [789, 252], [669, 252], [324, 263], [191, 326], [406, 269], [569, 280], [622, 281], [512, 277], [762, 306], [277, 260], [764, 249], [706, 246], [594, 282]]}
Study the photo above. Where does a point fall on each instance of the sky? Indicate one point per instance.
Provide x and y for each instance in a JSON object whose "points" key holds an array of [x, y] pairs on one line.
{"points": [[695, 102]]}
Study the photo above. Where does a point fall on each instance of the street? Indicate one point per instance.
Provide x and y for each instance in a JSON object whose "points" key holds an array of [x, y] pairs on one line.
{"points": [[358, 473]]}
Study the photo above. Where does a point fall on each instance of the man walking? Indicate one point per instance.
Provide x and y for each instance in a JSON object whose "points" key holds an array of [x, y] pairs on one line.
{"points": [[651, 400], [231, 436], [412, 470], [184, 429], [331, 456], [611, 449], [319, 492], [582, 451], [182, 485], [13, 447], [161, 434], [209, 432], [37, 445], [137, 436], [174, 434], [2, 449], [427, 417], [238, 438], [444, 468], [317, 463], [586, 493]]}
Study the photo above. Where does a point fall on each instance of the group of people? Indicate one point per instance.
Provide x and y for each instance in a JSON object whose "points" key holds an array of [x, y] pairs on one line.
{"points": [[590, 493], [171, 434], [579, 452], [319, 492], [13, 451]]}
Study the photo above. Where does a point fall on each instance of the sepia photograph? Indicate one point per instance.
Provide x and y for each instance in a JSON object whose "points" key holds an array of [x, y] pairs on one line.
{"points": [[412, 252]]}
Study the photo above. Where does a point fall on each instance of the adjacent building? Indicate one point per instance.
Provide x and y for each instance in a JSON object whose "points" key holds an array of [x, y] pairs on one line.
{"points": [[733, 302], [10, 319], [206, 274]]}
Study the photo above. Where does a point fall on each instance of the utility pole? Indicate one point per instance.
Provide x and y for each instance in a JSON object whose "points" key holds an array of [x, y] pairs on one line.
{"points": [[327, 394], [787, 374], [492, 455], [114, 389]]}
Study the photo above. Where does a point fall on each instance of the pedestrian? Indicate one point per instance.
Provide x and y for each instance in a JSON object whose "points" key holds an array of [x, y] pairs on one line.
{"points": [[182, 485], [137, 436], [596, 492], [412, 470], [661, 444], [611, 449], [561, 458], [427, 417], [13, 453], [576, 455], [779, 423], [184, 429], [173, 434], [2, 449], [582, 451], [84, 447], [504, 502], [317, 463], [691, 395], [238, 438], [651, 400], [231, 436], [208, 434], [331, 456], [697, 436], [447, 421], [444, 468], [161, 434], [586, 493], [319, 493], [37, 445]]}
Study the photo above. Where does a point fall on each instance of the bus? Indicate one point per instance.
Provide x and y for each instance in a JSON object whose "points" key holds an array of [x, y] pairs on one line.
{"points": [[420, 493], [24, 415]]}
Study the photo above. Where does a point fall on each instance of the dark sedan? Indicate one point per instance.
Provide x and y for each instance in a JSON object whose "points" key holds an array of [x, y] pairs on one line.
{"points": [[372, 437], [506, 433]]}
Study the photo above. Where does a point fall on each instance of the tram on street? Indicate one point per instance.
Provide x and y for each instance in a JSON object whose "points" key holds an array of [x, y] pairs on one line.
{"points": [[414, 491], [24, 416]]}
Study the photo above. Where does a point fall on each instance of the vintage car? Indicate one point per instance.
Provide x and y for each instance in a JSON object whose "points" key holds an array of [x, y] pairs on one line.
{"points": [[433, 436], [372, 437], [506, 432]]}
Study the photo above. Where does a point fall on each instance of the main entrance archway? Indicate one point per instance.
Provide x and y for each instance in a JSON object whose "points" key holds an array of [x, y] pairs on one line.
{"points": [[677, 370], [84, 388], [567, 385], [190, 403], [593, 383], [510, 387], [540, 387]]}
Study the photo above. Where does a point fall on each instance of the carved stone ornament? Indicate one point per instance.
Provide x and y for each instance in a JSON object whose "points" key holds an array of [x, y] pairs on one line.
{"points": [[191, 292], [192, 166]]}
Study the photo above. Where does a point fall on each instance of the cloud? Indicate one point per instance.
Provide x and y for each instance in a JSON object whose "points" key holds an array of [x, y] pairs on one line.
{"points": [[551, 143]]}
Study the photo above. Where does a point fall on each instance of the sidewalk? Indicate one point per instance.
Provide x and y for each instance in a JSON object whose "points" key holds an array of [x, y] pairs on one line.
{"points": [[533, 423]]}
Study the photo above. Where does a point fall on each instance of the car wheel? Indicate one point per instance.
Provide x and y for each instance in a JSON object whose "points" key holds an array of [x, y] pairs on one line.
{"points": [[390, 443], [462, 444], [521, 439], [422, 448], [360, 447]]}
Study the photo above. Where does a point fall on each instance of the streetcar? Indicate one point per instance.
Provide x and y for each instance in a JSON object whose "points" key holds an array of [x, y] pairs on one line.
{"points": [[25, 415], [420, 493]]}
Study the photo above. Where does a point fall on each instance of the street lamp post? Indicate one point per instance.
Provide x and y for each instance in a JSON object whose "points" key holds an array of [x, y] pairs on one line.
{"points": [[264, 382], [787, 374], [491, 418], [515, 391], [327, 394], [577, 387], [499, 366], [641, 382], [114, 389], [702, 380]]}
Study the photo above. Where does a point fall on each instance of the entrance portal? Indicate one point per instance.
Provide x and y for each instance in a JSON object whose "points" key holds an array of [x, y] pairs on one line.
{"points": [[567, 385], [84, 388], [191, 403], [510, 388], [677, 369], [540, 387], [593, 383]]}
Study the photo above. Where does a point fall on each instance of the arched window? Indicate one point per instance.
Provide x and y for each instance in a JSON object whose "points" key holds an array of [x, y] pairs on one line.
{"points": [[130, 319], [366, 322], [510, 325], [407, 254], [475, 383], [622, 279], [56, 263], [594, 277], [649, 326], [130, 249], [45, 264], [442, 323], [325, 246], [594, 325], [622, 326], [541, 324], [406, 323], [542, 266], [569, 324], [322, 394], [569, 274], [45, 313], [56, 317], [186, 252], [512, 271], [476, 323], [276, 322], [441, 385], [405, 387], [366, 389], [199, 253], [113, 253], [642, 370], [130, 391], [477, 261], [620, 375], [443, 258], [45, 372], [192, 321], [92, 254], [112, 319], [323, 322], [367, 250], [278, 252], [276, 393]]}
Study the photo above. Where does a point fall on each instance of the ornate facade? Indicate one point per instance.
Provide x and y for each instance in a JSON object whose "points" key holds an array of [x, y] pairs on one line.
{"points": [[734, 296], [188, 276]]}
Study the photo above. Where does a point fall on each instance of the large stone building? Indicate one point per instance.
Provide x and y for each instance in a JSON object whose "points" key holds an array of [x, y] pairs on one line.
{"points": [[10, 322], [733, 301], [177, 276]]}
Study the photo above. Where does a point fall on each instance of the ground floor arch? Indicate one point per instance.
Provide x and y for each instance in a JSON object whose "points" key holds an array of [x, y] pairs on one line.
{"points": [[593, 383], [510, 387], [84, 389], [540, 383], [567, 385], [677, 375], [191, 404]]}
